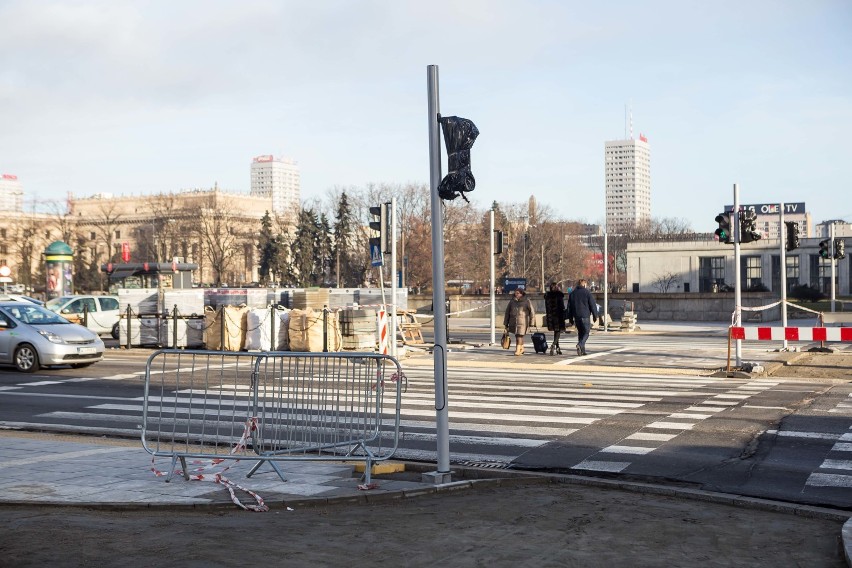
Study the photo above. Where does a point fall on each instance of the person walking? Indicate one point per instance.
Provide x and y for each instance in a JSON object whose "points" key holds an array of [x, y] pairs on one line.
{"points": [[518, 318], [554, 308], [582, 311]]}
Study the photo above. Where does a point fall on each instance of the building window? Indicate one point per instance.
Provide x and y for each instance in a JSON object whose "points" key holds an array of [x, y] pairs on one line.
{"points": [[821, 274], [3, 233], [711, 273], [752, 273], [118, 234], [92, 236], [792, 271]]}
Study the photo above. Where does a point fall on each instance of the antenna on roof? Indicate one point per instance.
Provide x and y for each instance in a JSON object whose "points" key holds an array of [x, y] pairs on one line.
{"points": [[631, 121]]}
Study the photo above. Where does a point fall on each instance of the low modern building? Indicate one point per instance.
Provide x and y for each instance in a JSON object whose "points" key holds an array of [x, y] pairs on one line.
{"points": [[705, 265]]}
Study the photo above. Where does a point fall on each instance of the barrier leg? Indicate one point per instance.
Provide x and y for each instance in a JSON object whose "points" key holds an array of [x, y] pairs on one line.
{"points": [[730, 332]]}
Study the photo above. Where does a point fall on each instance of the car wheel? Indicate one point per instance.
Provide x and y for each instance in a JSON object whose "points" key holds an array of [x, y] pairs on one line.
{"points": [[114, 332], [26, 358]]}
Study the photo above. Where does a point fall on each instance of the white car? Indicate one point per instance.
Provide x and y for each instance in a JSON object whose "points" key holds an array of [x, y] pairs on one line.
{"points": [[32, 337], [102, 314]]}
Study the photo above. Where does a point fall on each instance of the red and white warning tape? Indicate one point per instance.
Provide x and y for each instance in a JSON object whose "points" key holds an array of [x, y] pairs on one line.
{"points": [[792, 333], [201, 473]]}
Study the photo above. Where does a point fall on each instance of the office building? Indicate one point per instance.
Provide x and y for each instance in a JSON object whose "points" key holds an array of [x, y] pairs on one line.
{"points": [[279, 180], [11, 193], [628, 182]]}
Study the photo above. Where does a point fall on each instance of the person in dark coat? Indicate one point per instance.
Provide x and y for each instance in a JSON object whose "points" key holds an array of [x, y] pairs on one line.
{"points": [[554, 307], [582, 311], [518, 318]]}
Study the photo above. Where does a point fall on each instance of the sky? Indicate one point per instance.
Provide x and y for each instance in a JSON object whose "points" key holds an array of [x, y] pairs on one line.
{"points": [[143, 97]]}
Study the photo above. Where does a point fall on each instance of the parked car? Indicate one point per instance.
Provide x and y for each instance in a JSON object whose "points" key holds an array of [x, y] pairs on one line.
{"points": [[102, 316], [32, 337], [20, 298]]}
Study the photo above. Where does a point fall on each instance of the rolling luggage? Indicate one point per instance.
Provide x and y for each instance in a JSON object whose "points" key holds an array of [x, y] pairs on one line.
{"points": [[539, 342]]}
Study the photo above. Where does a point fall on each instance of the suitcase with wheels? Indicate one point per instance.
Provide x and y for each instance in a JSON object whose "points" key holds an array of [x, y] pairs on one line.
{"points": [[539, 342]]}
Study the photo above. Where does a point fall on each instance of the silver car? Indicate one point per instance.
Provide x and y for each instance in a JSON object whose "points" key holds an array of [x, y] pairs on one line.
{"points": [[32, 337]]}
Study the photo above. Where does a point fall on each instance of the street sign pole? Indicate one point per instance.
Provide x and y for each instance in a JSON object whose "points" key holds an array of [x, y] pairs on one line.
{"points": [[439, 353], [393, 323], [783, 232], [735, 221], [833, 264], [491, 284]]}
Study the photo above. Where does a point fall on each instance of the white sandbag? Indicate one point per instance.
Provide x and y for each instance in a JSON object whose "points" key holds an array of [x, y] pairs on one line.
{"points": [[258, 330]]}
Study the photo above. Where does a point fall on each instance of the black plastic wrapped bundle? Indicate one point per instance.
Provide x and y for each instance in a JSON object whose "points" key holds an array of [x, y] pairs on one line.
{"points": [[459, 136]]}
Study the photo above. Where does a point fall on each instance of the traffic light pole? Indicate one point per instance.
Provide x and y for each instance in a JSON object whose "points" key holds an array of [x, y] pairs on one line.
{"points": [[491, 283], [833, 264], [394, 284], [735, 221], [439, 353], [783, 238]]}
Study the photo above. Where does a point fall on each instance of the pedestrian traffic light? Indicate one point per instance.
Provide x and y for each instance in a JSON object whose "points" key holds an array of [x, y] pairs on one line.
{"points": [[839, 249], [498, 242], [748, 226], [823, 249], [379, 223], [792, 235], [724, 231]]}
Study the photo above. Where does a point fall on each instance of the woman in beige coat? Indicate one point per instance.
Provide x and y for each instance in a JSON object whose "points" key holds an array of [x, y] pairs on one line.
{"points": [[518, 318]]}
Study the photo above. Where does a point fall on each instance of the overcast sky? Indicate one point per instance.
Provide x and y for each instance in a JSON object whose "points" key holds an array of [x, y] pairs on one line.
{"points": [[155, 96]]}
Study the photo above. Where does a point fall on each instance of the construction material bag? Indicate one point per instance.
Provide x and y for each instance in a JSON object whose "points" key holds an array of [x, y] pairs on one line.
{"points": [[306, 331]]}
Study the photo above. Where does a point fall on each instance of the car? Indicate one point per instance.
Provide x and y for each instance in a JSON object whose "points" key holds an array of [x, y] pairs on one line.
{"points": [[101, 312], [20, 298], [32, 337]]}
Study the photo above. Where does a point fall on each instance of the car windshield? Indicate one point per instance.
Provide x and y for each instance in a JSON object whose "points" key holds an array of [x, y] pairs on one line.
{"points": [[56, 302], [34, 315]]}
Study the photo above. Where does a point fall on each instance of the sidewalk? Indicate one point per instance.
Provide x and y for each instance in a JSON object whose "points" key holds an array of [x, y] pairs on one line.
{"points": [[481, 517]]}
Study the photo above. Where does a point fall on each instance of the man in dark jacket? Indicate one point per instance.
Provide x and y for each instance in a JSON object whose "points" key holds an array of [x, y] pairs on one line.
{"points": [[582, 311]]}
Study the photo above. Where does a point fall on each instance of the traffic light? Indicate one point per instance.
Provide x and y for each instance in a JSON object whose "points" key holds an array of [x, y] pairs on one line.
{"points": [[498, 242], [724, 231], [748, 226], [823, 249], [839, 249], [380, 223], [792, 235]]}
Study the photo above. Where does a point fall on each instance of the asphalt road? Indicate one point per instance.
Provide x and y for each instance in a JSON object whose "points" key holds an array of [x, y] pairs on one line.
{"points": [[787, 439]]}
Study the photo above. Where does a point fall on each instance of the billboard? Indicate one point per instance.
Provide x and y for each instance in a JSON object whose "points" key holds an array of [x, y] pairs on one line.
{"points": [[772, 208]]}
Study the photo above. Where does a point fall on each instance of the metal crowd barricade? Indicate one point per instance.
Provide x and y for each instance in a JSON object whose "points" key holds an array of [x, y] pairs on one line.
{"points": [[283, 406]]}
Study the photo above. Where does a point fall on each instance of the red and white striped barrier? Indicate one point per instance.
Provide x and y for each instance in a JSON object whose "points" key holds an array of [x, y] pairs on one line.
{"points": [[383, 332], [793, 333]]}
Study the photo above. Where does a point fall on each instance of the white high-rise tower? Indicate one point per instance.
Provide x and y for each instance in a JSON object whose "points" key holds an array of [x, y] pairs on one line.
{"points": [[279, 180], [628, 182], [11, 193]]}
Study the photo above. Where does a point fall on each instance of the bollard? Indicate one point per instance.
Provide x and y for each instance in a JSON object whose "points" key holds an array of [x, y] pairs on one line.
{"points": [[85, 315], [325, 329], [175, 328], [128, 327], [272, 333]]}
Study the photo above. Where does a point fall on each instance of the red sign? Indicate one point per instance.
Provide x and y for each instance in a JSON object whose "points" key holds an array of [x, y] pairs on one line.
{"points": [[125, 252], [9, 176], [266, 158], [643, 138]]}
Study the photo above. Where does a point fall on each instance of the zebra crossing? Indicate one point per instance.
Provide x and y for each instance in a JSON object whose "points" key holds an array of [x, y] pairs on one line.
{"points": [[496, 417]]}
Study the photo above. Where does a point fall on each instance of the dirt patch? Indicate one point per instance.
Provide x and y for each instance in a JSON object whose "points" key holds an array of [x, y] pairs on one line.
{"points": [[818, 366], [530, 525]]}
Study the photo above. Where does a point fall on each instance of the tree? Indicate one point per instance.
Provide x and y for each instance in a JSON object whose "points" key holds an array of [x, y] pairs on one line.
{"points": [[270, 251], [220, 237], [348, 270], [666, 281]]}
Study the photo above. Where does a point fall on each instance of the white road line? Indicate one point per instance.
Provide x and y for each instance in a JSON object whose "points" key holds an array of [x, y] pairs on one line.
{"points": [[613, 467], [670, 426], [572, 360], [808, 435], [707, 408], [689, 415], [836, 464], [829, 480], [9, 388], [733, 396], [842, 447], [637, 450], [650, 436]]}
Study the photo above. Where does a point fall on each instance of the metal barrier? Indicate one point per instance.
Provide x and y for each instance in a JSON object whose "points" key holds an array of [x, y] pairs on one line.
{"points": [[284, 406]]}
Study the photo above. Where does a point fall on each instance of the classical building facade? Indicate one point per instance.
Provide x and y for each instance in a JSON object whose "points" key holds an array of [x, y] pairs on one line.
{"points": [[215, 229], [627, 165]]}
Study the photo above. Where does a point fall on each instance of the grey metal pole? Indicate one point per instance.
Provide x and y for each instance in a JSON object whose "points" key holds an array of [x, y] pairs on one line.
{"points": [[735, 221], [439, 354], [606, 281], [783, 229], [491, 283], [833, 265], [393, 324]]}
